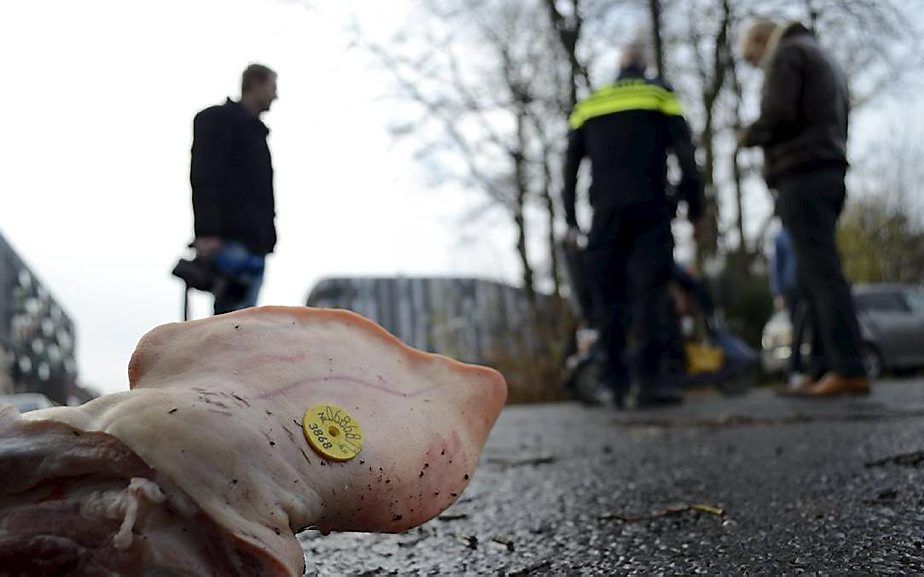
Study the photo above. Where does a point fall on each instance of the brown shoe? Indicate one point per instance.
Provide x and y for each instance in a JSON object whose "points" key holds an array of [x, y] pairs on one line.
{"points": [[834, 385], [797, 389]]}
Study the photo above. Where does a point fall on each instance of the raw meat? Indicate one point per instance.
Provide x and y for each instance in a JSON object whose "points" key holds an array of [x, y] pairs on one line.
{"points": [[202, 468]]}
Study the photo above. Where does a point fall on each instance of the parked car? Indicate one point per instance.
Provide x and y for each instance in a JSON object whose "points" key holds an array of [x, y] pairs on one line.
{"points": [[891, 327], [26, 402]]}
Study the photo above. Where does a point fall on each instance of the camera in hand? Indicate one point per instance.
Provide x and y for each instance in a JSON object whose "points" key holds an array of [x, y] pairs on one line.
{"points": [[197, 273], [212, 275]]}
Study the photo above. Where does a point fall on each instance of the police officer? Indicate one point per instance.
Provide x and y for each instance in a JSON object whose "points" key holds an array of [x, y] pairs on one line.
{"points": [[626, 129]]}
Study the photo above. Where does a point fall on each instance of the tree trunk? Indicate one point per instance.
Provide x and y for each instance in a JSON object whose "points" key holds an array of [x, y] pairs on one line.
{"points": [[656, 33], [519, 209], [812, 11], [739, 202], [738, 92], [519, 221], [568, 35], [721, 58], [551, 217]]}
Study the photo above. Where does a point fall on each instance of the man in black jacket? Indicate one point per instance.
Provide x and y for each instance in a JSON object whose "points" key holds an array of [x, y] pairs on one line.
{"points": [[231, 175], [626, 130], [803, 131]]}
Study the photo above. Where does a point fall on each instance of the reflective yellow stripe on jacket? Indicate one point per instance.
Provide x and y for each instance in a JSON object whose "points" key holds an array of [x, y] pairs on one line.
{"points": [[625, 96]]}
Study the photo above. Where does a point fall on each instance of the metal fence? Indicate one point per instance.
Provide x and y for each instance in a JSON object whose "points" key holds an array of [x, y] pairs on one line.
{"points": [[37, 338], [465, 318]]}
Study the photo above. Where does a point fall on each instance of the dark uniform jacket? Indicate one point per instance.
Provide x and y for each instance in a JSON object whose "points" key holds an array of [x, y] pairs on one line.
{"points": [[232, 178], [627, 129], [804, 108]]}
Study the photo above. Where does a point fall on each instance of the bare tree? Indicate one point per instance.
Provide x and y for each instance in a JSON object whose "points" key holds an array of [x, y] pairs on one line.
{"points": [[737, 172], [657, 36], [702, 55], [875, 40], [486, 86], [569, 26], [485, 97]]}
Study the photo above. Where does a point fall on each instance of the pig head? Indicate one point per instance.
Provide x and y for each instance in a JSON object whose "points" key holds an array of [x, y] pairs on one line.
{"points": [[214, 421]]}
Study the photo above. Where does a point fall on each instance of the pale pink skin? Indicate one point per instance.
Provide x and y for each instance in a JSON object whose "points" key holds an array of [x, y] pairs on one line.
{"points": [[214, 410]]}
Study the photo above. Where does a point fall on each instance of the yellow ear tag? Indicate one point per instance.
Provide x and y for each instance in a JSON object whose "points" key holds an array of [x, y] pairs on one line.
{"points": [[332, 432]]}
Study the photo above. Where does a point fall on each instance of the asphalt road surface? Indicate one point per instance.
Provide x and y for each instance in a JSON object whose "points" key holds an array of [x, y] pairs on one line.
{"points": [[747, 485]]}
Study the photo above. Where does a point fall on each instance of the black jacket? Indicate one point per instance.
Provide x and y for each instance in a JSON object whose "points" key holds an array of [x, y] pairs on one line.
{"points": [[804, 109], [232, 178], [627, 129]]}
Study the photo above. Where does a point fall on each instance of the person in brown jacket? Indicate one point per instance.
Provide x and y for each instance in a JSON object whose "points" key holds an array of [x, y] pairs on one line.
{"points": [[802, 129]]}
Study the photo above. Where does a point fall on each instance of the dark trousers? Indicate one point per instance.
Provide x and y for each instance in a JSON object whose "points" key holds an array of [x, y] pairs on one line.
{"points": [[243, 277], [630, 261], [810, 205], [236, 296]]}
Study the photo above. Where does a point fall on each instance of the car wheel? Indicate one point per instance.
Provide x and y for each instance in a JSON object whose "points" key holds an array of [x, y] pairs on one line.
{"points": [[872, 361]]}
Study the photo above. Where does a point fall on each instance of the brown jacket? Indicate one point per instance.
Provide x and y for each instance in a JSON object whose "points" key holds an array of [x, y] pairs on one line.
{"points": [[804, 109]]}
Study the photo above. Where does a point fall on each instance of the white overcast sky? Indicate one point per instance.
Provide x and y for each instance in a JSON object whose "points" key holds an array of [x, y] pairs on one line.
{"points": [[98, 98]]}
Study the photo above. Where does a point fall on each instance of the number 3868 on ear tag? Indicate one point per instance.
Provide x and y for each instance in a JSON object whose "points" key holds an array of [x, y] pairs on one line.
{"points": [[332, 432]]}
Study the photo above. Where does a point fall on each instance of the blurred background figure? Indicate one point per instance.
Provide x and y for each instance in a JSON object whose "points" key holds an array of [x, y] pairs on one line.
{"points": [[231, 174], [626, 129], [784, 287], [803, 130]]}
